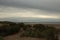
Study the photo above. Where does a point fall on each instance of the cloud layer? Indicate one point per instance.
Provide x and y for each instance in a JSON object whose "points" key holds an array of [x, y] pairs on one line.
{"points": [[51, 5], [30, 10]]}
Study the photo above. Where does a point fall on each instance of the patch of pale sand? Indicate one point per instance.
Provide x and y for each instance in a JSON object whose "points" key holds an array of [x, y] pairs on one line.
{"points": [[59, 36], [17, 37]]}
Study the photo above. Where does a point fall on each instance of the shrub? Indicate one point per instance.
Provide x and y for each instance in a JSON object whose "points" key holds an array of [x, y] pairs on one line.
{"points": [[1, 38], [40, 31], [9, 30]]}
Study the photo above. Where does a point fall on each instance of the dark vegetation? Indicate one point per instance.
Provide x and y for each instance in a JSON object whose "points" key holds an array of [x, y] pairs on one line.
{"points": [[37, 30]]}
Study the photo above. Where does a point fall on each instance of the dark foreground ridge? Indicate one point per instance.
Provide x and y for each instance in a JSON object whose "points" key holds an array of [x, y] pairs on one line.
{"points": [[28, 30]]}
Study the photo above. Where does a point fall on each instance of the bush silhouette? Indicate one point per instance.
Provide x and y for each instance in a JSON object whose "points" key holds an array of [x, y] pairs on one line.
{"points": [[10, 29], [1, 38], [40, 31]]}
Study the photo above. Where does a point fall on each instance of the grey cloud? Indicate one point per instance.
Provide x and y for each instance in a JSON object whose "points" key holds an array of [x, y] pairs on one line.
{"points": [[50, 5]]}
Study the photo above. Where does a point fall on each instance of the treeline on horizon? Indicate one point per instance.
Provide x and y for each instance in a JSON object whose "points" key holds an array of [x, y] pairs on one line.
{"points": [[27, 30]]}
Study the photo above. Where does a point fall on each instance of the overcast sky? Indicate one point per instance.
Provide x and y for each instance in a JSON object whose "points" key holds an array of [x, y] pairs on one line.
{"points": [[30, 10]]}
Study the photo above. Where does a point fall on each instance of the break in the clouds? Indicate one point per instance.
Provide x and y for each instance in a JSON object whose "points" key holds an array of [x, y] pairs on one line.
{"points": [[30, 10]]}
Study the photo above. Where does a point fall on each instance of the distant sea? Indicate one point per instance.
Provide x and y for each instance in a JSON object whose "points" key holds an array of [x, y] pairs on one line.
{"points": [[41, 22]]}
